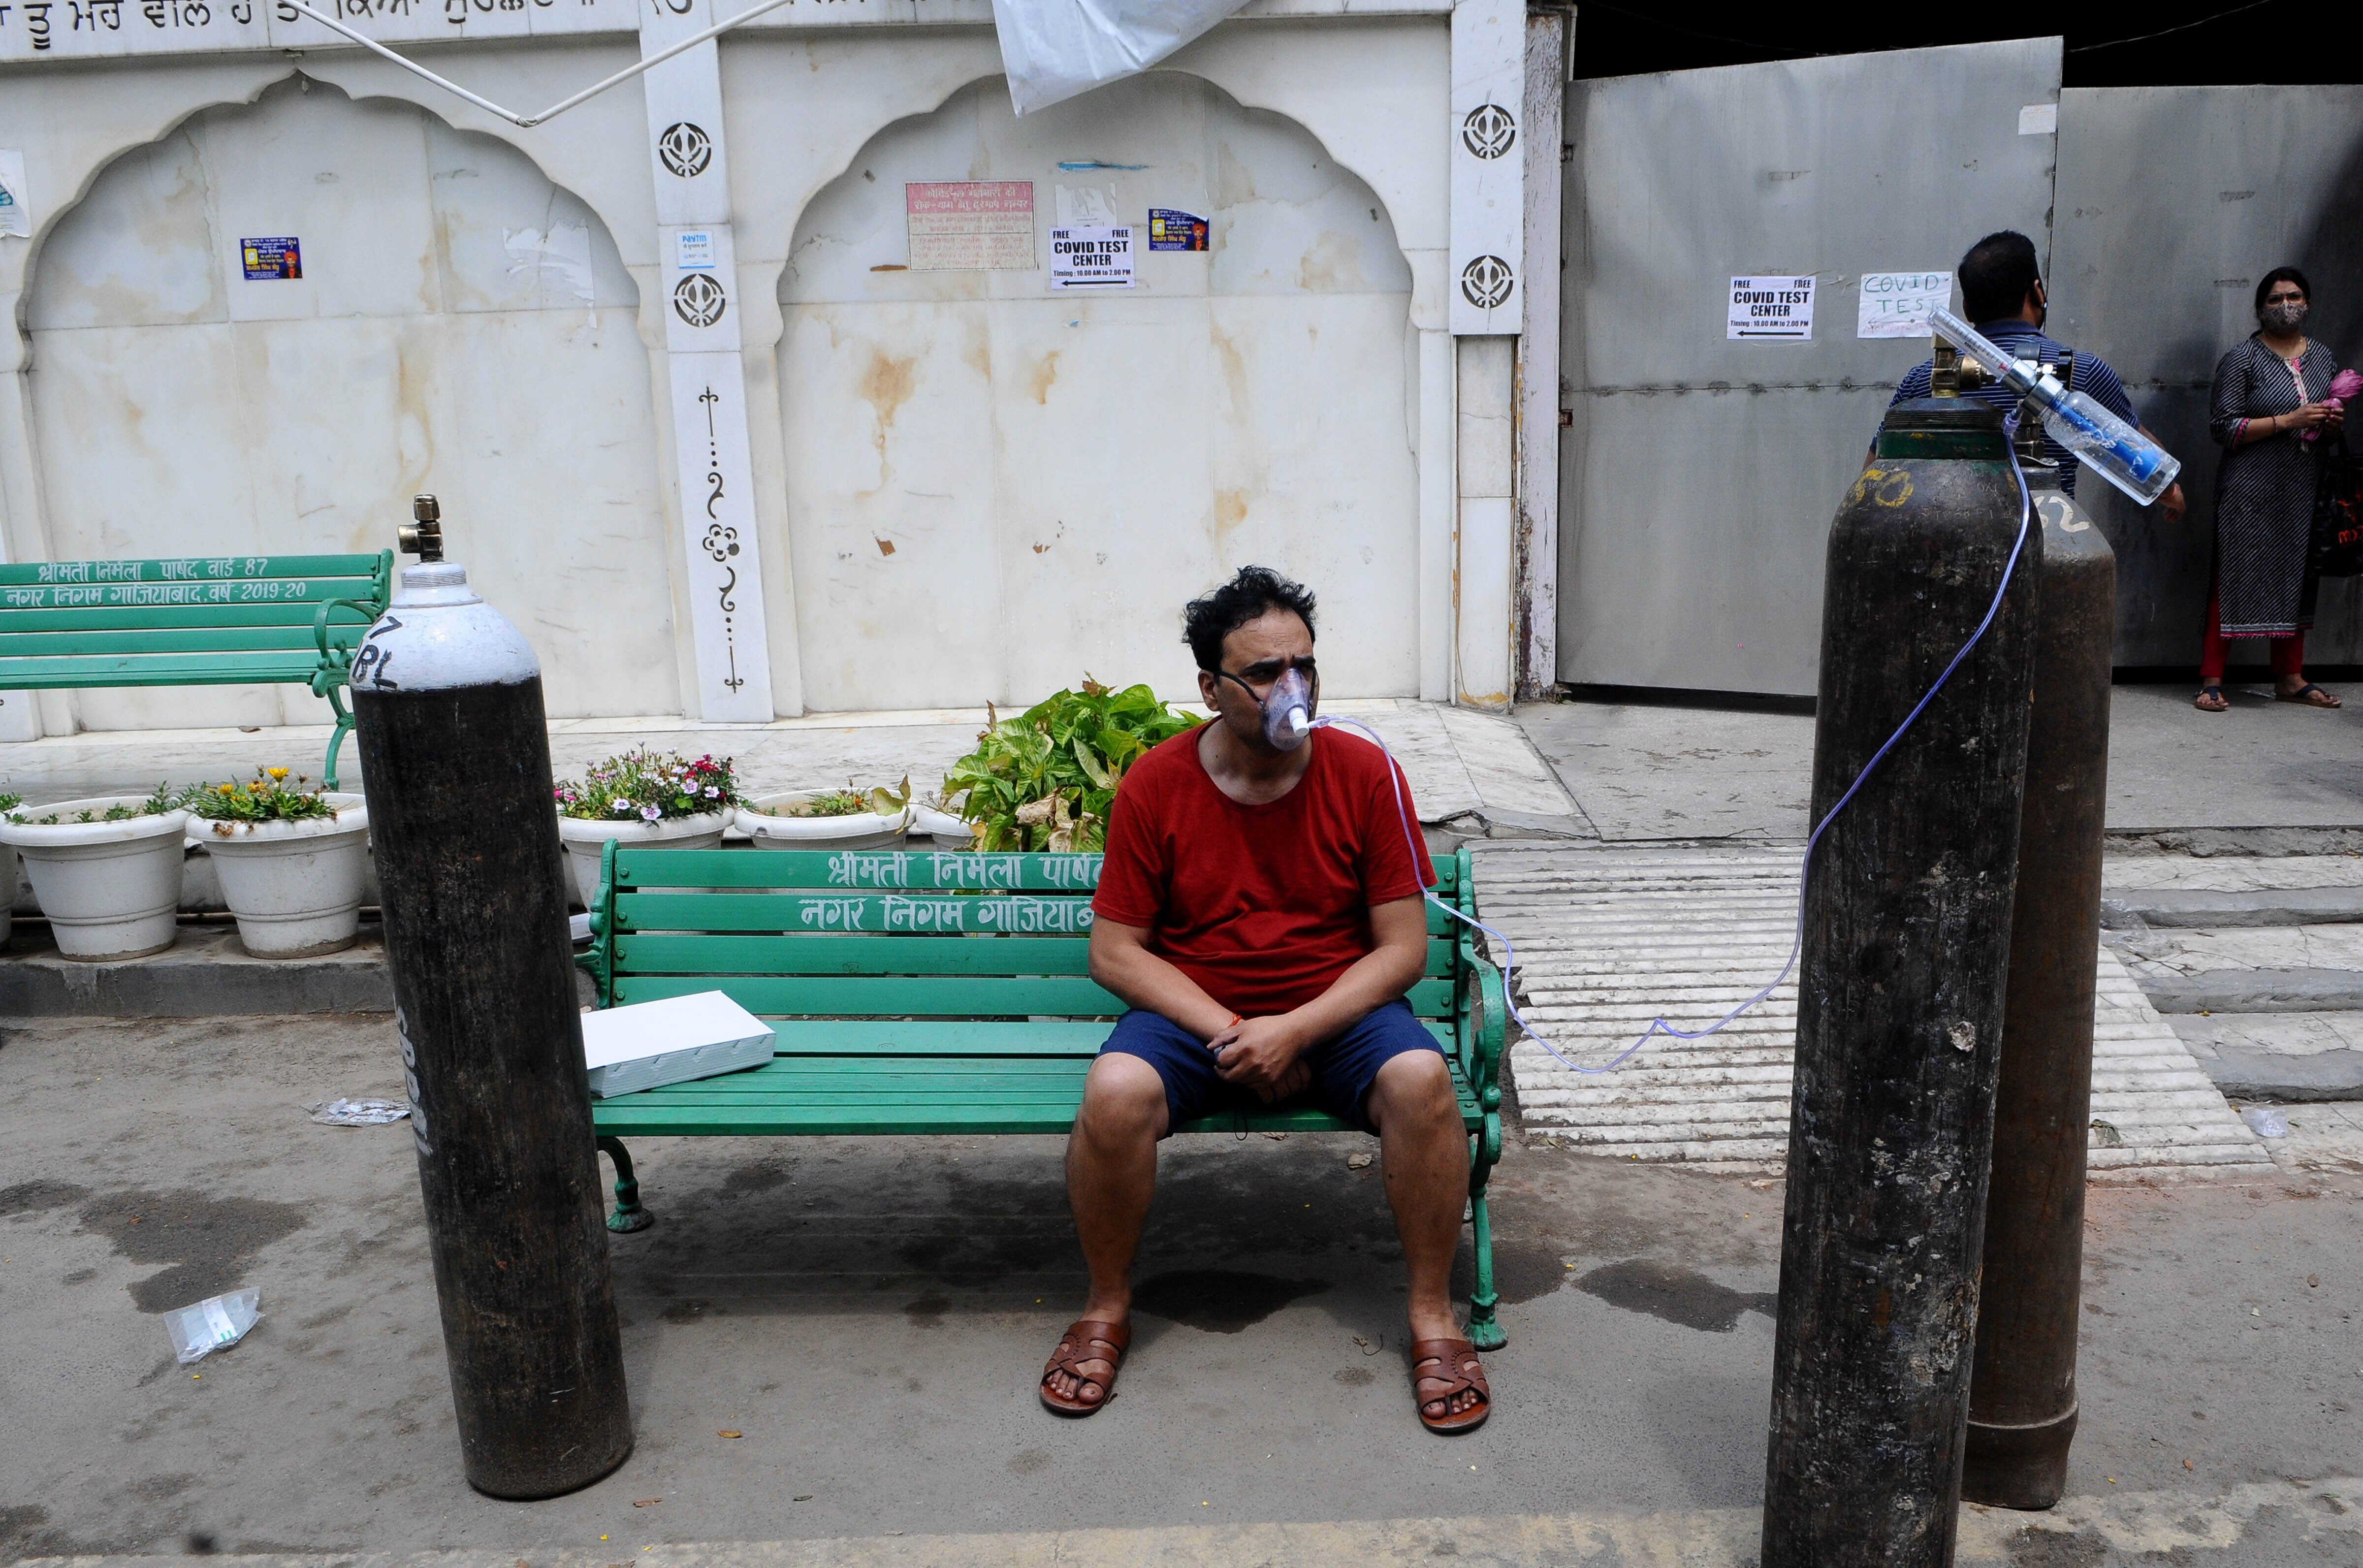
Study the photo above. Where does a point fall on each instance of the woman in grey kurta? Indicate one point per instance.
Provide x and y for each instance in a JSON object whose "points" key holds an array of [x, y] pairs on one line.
{"points": [[2269, 394]]}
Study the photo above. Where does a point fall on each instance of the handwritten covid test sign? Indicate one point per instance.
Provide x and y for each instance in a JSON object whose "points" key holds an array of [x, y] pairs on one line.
{"points": [[1896, 304]]}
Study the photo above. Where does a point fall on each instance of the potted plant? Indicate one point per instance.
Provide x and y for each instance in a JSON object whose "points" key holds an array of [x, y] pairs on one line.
{"points": [[107, 869], [7, 870], [940, 819], [847, 818], [1045, 780], [642, 798], [291, 861]]}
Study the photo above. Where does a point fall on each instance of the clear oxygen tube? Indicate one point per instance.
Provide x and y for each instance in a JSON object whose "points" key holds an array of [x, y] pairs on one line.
{"points": [[1289, 720], [2104, 443]]}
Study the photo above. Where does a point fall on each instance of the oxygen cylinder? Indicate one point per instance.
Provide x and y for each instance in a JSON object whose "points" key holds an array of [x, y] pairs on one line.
{"points": [[1907, 914], [455, 761], [2023, 1395]]}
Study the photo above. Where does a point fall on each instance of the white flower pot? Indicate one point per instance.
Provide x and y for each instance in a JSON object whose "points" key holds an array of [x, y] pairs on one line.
{"points": [[295, 887], [947, 830], [110, 889], [863, 831], [586, 840], [8, 890]]}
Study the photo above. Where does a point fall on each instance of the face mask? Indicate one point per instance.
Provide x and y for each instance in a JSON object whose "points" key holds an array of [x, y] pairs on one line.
{"points": [[2285, 317], [1287, 710]]}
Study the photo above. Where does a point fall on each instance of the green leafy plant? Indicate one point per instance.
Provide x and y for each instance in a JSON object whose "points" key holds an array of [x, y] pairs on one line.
{"points": [[10, 802], [165, 798], [852, 802], [1045, 779], [648, 786], [265, 797]]}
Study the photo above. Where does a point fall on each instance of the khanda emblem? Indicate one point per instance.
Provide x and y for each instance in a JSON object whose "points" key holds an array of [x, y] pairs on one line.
{"points": [[1489, 130]]}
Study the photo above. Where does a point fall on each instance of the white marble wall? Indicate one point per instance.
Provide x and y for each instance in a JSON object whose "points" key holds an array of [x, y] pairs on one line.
{"points": [[992, 488], [1288, 398], [462, 326]]}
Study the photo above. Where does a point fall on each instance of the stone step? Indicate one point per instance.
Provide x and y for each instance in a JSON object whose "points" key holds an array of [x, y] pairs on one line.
{"points": [[2184, 908], [2254, 991], [2279, 1058]]}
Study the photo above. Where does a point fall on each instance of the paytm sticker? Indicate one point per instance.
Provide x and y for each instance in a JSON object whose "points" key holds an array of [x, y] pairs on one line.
{"points": [[276, 256], [1092, 256], [1770, 307], [1897, 304], [693, 251], [1172, 230]]}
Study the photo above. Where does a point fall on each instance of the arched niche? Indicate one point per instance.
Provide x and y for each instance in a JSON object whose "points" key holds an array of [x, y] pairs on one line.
{"points": [[461, 325], [993, 487]]}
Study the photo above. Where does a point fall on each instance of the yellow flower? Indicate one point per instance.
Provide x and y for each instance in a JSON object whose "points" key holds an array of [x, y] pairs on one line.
{"points": [[226, 789], [276, 772]]}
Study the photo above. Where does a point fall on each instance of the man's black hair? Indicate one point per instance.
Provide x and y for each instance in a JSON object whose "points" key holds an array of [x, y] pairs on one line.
{"points": [[2281, 275], [1996, 274], [1252, 591]]}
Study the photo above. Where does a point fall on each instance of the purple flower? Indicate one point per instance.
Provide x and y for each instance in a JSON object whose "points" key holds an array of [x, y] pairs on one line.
{"points": [[649, 814]]}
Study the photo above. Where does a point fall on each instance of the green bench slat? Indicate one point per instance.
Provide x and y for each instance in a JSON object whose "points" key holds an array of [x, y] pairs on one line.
{"points": [[858, 871], [188, 569], [677, 953], [159, 670], [87, 617], [875, 870], [798, 913], [796, 1095], [925, 995], [888, 1038], [86, 643], [950, 912], [866, 1038], [312, 591]]}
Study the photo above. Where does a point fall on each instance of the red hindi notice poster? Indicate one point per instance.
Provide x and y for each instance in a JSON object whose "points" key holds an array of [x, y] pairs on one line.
{"points": [[971, 225]]}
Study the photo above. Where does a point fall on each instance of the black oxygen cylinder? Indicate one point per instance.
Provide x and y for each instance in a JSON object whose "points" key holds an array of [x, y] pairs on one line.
{"points": [[455, 760], [1907, 925], [2023, 1394]]}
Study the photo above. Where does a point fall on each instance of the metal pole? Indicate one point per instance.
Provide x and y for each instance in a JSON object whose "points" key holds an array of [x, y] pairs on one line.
{"points": [[2023, 1395], [455, 758], [1899, 1004]]}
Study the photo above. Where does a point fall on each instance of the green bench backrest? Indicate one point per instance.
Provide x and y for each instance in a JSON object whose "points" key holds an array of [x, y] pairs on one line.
{"points": [[198, 620], [908, 933]]}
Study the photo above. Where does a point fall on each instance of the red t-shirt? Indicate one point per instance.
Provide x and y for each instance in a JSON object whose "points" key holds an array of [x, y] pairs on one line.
{"points": [[1263, 906]]}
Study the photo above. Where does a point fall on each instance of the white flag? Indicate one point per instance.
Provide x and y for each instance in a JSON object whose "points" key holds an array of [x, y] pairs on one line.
{"points": [[1055, 49]]}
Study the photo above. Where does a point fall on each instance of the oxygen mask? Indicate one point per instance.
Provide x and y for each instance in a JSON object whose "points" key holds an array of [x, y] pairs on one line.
{"points": [[1286, 708]]}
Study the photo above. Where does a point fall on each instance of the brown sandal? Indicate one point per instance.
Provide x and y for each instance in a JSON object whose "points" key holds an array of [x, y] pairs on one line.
{"points": [[1087, 1342], [1456, 1366]]}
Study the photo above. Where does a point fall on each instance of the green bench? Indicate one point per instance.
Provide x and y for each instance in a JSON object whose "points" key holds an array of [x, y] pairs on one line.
{"points": [[227, 620], [919, 992]]}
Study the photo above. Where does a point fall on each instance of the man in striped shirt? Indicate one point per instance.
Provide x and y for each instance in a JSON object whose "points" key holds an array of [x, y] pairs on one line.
{"points": [[2003, 296]]}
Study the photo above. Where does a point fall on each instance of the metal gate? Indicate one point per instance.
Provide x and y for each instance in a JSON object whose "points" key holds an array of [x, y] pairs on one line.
{"points": [[1699, 474]]}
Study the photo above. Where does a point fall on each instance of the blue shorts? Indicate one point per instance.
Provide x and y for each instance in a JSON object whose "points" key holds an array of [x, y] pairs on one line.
{"points": [[1343, 1069]]}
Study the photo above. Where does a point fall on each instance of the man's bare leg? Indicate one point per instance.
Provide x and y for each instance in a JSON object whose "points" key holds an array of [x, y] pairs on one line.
{"points": [[1425, 1152], [1111, 1177]]}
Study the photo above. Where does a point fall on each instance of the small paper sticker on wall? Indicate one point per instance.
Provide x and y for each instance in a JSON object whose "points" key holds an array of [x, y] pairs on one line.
{"points": [[273, 257], [1092, 257], [1173, 230], [1897, 304], [694, 251], [2038, 120], [16, 207], [1772, 308]]}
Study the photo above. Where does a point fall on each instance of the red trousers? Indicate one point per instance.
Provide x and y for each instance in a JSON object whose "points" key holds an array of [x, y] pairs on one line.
{"points": [[2288, 652]]}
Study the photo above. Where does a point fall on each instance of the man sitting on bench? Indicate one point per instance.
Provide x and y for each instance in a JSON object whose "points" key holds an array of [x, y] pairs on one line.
{"points": [[1259, 911]]}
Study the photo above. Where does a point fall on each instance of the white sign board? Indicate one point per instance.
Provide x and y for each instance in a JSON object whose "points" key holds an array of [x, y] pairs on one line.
{"points": [[971, 225], [693, 251], [1896, 304], [1776, 309], [1092, 256]]}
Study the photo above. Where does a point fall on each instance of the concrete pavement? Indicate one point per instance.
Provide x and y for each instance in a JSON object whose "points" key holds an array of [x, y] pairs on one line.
{"points": [[870, 1314]]}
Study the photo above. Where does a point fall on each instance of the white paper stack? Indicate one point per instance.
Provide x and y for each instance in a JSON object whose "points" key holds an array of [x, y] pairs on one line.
{"points": [[651, 1043]]}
